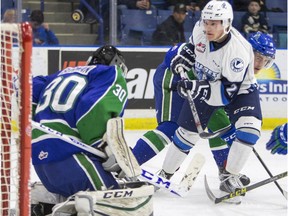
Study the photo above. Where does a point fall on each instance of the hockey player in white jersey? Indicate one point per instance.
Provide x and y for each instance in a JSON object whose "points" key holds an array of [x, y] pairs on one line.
{"points": [[224, 67]]}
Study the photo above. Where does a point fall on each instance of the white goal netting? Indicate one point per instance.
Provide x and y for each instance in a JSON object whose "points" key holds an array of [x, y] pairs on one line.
{"points": [[15, 107]]}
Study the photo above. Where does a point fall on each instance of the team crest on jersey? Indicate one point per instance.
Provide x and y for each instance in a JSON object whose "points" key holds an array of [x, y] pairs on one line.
{"points": [[237, 65], [43, 155], [200, 47]]}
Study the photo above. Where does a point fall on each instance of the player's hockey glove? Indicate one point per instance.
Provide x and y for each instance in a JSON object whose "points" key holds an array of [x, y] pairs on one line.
{"points": [[197, 88], [110, 164], [278, 141], [182, 56], [229, 136]]}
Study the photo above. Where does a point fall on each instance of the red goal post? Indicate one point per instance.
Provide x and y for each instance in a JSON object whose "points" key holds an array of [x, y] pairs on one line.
{"points": [[15, 118]]}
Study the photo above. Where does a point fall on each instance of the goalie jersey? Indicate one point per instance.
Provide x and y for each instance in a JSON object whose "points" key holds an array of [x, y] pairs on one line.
{"points": [[77, 101], [228, 67]]}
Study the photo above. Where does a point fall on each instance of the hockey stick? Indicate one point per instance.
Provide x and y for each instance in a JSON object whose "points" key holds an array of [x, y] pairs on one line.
{"points": [[202, 133], [241, 191], [284, 193], [180, 189], [185, 184]]}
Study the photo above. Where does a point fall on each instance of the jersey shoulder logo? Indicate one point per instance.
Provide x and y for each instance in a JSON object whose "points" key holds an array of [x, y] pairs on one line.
{"points": [[237, 65], [200, 47]]}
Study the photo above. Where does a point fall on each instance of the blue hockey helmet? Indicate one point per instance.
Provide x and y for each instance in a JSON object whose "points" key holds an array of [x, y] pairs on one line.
{"points": [[263, 44], [108, 55]]}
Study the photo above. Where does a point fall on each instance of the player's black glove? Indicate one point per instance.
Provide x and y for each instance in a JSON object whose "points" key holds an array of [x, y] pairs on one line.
{"points": [[184, 58], [197, 88]]}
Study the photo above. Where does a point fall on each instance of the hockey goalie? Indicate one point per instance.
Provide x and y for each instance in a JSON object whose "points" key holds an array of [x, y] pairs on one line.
{"points": [[83, 106]]}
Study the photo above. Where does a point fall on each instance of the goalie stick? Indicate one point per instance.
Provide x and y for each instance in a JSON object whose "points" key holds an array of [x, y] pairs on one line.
{"points": [[202, 133], [241, 191], [186, 182], [180, 189]]}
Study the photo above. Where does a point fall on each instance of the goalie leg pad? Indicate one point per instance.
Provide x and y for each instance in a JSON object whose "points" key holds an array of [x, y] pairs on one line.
{"points": [[39, 194], [118, 146], [136, 200], [42, 201], [84, 205], [66, 208]]}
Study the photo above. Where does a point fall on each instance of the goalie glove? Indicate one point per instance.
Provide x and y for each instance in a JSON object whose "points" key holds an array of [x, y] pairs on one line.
{"points": [[110, 164], [181, 55], [278, 141], [197, 88]]}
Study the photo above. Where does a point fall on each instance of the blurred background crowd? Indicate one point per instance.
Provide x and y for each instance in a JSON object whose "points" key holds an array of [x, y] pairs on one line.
{"points": [[136, 22]]}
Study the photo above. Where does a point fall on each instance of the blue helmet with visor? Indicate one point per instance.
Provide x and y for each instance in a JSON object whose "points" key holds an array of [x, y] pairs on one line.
{"points": [[263, 44]]}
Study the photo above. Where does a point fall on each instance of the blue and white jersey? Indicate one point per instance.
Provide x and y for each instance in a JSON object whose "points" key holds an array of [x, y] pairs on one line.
{"points": [[228, 67]]}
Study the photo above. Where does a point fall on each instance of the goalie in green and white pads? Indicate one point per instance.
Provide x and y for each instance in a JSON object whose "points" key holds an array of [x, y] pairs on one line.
{"points": [[84, 103]]}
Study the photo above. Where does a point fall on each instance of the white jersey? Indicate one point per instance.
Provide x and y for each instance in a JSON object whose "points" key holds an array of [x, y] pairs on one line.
{"points": [[228, 68]]}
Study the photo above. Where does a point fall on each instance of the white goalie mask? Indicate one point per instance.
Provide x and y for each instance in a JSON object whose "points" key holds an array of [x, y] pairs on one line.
{"points": [[219, 10]]}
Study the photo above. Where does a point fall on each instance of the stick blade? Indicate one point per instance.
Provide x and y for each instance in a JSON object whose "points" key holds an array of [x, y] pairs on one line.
{"points": [[209, 192], [207, 135], [227, 199], [190, 174], [284, 194]]}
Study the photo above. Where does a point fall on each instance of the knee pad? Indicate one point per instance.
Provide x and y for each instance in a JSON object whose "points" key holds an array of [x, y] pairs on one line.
{"points": [[185, 139], [167, 129], [248, 129], [154, 141]]}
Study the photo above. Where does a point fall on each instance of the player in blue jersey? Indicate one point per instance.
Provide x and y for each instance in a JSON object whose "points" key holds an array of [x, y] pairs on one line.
{"points": [[168, 105], [278, 140], [81, 102]]}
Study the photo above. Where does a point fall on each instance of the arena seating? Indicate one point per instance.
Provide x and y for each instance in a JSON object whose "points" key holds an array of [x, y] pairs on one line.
{"points": [[276, 5], [134, 22], [137, 26], [237, 21]]}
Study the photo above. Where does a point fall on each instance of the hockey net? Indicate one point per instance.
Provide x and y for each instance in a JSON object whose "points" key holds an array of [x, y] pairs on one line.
{"points": [[15, 114]]}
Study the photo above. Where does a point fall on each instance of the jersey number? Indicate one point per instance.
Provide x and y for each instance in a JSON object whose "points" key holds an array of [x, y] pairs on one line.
{"points": [[61, 93], [231, 90], [119, 92]]}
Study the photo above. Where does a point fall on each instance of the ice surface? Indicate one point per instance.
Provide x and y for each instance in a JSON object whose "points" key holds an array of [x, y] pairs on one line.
{"points": [[265, 201]]}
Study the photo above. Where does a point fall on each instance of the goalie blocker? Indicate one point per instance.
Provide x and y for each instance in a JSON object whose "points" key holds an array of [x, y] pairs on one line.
{"points": [[118, 152]]}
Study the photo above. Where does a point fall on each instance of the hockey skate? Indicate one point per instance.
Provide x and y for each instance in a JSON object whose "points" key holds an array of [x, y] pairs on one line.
{"points": [[165, 175], [245, 180], [229, 183]]}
